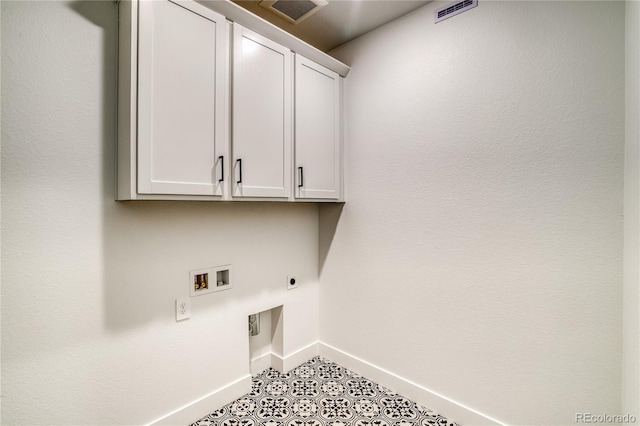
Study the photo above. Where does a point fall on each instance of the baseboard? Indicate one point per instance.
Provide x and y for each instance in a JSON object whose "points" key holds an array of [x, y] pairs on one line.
{"points": [[298, 357], [284, 364], [261, 363], [201, 407], [439, 403], [277, 362], [451, 409]]}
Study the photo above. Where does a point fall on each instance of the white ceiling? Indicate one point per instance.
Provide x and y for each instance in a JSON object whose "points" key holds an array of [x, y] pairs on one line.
{"points": [[339, 21]]}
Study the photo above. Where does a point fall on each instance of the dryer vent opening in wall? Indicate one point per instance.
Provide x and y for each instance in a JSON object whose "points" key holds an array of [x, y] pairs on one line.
{"points": [[294, 11], [453, 9]]}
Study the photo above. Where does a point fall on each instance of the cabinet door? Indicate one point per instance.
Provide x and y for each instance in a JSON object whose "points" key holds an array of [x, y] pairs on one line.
{"points": [[317, 135], [181, 93], [262, 116]]}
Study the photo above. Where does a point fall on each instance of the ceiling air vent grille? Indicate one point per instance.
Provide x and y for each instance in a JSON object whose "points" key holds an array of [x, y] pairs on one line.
{"points": [[453, 9], [294, 11]]}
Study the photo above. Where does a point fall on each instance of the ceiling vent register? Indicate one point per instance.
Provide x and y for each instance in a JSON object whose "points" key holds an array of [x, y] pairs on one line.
{"points": [[453, 9], [294, 11]]}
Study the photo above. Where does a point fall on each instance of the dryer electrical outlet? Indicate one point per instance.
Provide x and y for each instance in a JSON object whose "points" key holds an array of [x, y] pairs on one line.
{"points": [[291, 282]]}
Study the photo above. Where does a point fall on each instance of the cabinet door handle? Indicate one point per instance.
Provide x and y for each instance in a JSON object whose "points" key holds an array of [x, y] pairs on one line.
{"points": [[301, 184], [221, 159], [239, 161]]}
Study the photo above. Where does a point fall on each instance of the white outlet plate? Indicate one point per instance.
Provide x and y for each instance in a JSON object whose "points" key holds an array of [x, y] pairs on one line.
{"points": [[295, 284], [183, 308]]}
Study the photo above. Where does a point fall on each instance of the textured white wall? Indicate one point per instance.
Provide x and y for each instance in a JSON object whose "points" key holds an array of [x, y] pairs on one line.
{"points": [[88, 285], [631, 365], [480, 251]]}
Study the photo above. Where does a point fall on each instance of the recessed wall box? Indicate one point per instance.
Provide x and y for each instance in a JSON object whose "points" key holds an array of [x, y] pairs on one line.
{"points": [[205, 281]]}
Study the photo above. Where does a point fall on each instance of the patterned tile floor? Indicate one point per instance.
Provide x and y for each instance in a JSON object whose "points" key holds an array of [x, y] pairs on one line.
{"points": [[320, 393]]}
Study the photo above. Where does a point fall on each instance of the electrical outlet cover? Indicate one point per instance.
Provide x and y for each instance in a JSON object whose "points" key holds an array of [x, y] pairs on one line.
{"points": [[292, 282], [183, 308]]}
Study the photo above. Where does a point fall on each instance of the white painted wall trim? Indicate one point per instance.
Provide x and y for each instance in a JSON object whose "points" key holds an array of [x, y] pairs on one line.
{"points": [[448, 407], [284, 364], [261, 363], [301, 355], [277, 362], [195, 410]]}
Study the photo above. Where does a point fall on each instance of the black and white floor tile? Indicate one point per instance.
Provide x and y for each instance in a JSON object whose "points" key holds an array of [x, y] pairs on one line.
{"points": [[320, 393]]}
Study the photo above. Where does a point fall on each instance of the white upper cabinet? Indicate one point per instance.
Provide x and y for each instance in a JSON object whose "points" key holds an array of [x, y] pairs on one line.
{"points": [[317, 132], [181, 131], [262, 116], [210, 110]]}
